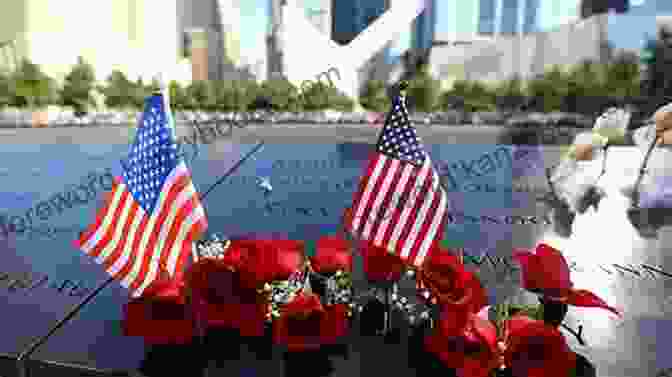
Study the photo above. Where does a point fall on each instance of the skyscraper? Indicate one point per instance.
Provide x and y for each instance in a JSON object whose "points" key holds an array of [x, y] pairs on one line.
{"points": [[530, 17], [351, 17], [424, 27], [509, 19], [487, 17]]}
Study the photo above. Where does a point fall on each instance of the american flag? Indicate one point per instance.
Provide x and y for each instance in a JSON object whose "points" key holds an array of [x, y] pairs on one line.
{"points": [[399, 205], [153, 213]]}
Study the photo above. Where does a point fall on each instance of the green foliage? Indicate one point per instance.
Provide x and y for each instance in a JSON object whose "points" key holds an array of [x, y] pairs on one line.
{"points": [[374, 96], [550, 89], [244, 93], [178, 96], [339, 101], [119, 91], [7, 90], [199, 95], [424, 91], [78, 86], [475, 96], [33, 87], [622, 76], [284, 96], [139, 92], [658, 83], [315, 96]]}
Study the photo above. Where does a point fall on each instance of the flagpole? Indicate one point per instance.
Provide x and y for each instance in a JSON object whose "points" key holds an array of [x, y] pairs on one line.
{"points": [[37, 343], [23, 357]]}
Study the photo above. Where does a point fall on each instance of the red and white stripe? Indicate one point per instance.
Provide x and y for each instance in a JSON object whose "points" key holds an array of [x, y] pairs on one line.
{"points": [[407, 230], [132, 244]]}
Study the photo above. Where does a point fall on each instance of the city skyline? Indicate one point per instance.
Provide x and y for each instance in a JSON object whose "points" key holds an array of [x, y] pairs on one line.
{"points": [[454, 20]]}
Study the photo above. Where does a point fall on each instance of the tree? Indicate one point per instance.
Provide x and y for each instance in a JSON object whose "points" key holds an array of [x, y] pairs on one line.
{"points": [[139, 92], [199, 95], [315, 96], [549, 90], [78, 87], [622, 76], [472, 96], [339, 101], [509, 94], [583, 88], [118, 91], [424, 91], [244, 93], [33, 87], [374, 96], [178, 97], [283, 94], [658, 84], [7, 90]]}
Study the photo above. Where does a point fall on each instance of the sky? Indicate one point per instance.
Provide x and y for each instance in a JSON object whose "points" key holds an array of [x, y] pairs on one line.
{"points": [[459, 17]]}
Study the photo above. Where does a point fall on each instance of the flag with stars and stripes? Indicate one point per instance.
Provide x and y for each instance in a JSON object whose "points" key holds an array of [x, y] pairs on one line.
{"points": [[153, 213], [400, 204]]}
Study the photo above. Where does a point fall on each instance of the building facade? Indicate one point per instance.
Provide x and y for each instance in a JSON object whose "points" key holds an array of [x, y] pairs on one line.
{"points": [[218, 26], [508, 17], [139, 38], [487, 17], [424, 27], [350, 17], [524, 55]]}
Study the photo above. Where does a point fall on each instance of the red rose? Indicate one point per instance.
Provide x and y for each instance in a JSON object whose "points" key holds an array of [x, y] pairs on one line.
{"points": [[379, 264], [300, 324], [335, 323], [332, 254], [160, 316], [536, 349], [546, 272], [472, 351], [269, 260], [221, 299], [451, 284]]}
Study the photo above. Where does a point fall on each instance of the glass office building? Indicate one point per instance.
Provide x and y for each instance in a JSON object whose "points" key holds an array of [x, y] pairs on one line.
{"points": [[350, 17], [487, 17], [424, 27], [508, 17], [531, 16]]}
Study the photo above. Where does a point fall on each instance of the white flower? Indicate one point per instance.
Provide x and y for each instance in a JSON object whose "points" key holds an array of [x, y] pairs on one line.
{"points": [[424, 315], [613, 123], [410, 273], [394, 297]]}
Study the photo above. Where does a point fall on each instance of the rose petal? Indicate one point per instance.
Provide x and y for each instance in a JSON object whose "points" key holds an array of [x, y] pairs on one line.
{"points": [[586, 298], [332, 254]]}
